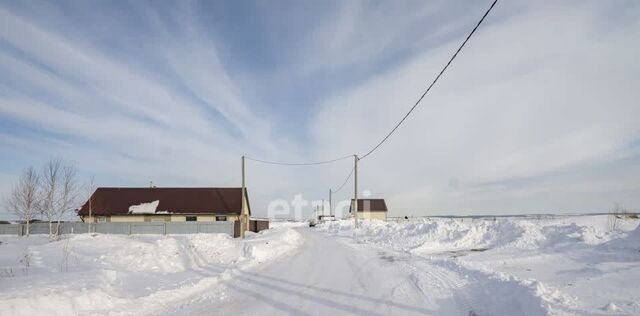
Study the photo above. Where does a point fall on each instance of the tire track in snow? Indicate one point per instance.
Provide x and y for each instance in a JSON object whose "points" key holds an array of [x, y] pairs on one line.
{"points": [[430, 279], [469, 292]]}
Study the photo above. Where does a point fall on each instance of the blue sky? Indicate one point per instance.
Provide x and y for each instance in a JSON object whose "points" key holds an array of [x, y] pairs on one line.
{"points": [[538, 114]]}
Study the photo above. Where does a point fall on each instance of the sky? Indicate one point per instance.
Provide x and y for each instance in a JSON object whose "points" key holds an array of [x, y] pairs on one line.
{"points": [[538, 114]]}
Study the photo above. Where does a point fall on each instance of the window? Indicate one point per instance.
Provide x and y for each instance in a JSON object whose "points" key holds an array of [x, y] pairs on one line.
{"points": [[191, 218], [102, 219], [221, 218]]}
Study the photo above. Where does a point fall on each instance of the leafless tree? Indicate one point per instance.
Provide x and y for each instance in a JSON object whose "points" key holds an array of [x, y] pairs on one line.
{"points": [[49, 188], [617, 214], [70, 193], [24, 198], [60, 191]]}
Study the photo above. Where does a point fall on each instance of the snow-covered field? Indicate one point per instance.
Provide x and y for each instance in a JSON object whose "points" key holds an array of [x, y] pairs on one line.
{"points": [[126, 275], [517, 266]]}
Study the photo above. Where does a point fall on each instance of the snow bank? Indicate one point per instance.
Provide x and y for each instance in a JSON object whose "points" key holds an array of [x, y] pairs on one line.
{"points": [[436, 235], [545, 266], [629, 242], [125, 275], [265, 248], [144, 208], [290, 224]]}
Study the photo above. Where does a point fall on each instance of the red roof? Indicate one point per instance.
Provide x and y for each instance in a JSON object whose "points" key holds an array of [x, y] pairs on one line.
{"points": [[370, 205], [116, 201]]}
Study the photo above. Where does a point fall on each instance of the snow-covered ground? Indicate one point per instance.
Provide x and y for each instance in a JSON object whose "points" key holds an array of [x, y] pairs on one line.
{"points": [[126, 275], [518, 266], [288, 224]]}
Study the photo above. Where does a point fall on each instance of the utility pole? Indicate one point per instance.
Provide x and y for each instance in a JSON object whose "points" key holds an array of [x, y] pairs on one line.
{"points": [[243, 216], [355, 191], [330, 208]]}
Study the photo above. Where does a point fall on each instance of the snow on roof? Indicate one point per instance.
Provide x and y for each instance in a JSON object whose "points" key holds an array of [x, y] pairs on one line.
{"points": [[144, 208]]}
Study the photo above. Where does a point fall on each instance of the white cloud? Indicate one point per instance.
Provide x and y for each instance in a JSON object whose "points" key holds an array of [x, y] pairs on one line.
{"points": [[520, 102], [537, 113], [125, 123]]}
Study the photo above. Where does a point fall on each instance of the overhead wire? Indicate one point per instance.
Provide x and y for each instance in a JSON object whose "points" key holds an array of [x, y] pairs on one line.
{"points": [[298, 163], [453, 57], [345, 181], [432, 83]]}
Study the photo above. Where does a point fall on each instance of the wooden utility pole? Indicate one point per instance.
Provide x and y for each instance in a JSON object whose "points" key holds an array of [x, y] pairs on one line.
{"points": [[244, 223], [330, 208], [355, 191]]}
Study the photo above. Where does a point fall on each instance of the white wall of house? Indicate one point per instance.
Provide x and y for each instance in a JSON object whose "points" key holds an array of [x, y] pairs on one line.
{"points": [[206, 218], [159, 217], [232, 218], [178, 218], [126, 218], [373, 215]]}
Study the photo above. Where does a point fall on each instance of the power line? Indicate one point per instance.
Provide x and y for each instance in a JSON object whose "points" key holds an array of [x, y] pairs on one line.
{"points": [[403, 118], [298, 163], [307, 164], [345, 181], [397, 125], [433, 82]]}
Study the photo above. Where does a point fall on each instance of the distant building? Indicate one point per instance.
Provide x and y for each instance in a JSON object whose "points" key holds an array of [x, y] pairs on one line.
{"points": [[154, 204], [371, 209]]}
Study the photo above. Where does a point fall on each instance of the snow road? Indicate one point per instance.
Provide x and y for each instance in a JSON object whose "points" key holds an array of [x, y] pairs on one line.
{"points": [[332, 275], [323, 276]]}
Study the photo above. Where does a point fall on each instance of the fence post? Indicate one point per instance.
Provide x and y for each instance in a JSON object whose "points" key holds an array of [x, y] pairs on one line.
{"points": [[165, 228], [129, 228]]}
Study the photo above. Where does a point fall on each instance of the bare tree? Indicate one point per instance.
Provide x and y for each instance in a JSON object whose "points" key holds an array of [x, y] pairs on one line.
{"points": [[49, 188], [616, 215], [60, 192], [70, 191], [24, 198]]}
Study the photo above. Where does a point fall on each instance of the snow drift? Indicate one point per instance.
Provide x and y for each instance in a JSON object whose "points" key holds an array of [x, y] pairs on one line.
{"points": [[568, 265], [133, 275], [436, 235]]}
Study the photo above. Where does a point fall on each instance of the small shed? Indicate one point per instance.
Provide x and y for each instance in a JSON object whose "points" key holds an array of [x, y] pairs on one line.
{"points": [[370, 209]]}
